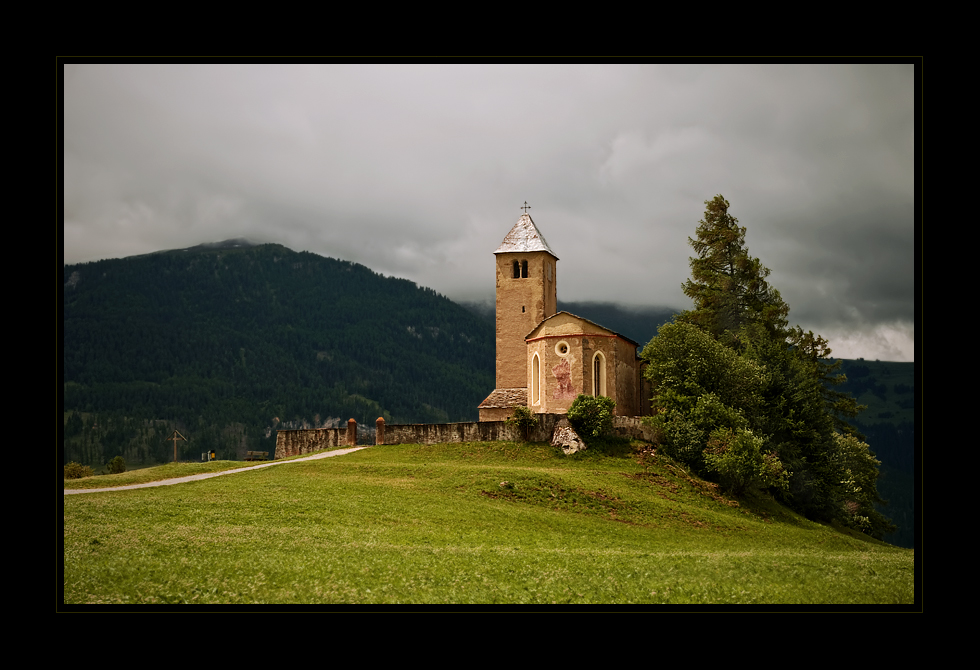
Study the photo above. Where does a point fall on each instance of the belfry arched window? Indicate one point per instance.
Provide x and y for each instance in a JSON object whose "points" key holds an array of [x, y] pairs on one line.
{"points": [[524, 269], [517, 270]]}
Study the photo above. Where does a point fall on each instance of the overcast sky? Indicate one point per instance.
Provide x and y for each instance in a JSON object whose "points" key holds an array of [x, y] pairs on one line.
{"points": [[418, 171]]}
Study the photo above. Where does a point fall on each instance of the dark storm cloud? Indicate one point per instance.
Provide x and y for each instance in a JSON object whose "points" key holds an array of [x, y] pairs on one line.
{"points": [[419, 171]]}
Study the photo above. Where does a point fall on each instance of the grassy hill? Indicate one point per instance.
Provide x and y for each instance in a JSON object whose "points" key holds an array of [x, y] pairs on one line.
{"points": [[489, 523]]}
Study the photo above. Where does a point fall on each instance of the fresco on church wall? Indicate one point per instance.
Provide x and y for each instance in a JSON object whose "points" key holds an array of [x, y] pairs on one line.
{"points": [[563, 373]]}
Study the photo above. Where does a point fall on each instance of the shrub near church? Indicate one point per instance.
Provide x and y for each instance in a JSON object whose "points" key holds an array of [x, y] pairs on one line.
{"points": [[591, 416]]}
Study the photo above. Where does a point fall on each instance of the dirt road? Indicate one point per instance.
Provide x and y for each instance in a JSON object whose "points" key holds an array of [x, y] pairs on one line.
{"points": [[208, 475]]}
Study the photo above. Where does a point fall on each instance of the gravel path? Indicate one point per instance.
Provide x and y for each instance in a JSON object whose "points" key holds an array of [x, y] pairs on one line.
{"points": [[208, 475]]}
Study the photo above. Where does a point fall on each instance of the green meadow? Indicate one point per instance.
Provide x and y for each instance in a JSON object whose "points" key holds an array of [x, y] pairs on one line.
{"points": [[475, 523]]}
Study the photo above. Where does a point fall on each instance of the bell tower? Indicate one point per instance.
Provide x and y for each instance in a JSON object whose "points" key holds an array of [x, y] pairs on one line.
{"points": [[526, 295]]}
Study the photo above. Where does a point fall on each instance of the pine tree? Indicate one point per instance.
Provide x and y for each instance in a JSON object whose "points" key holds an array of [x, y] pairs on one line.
{"points": [[728, 286], [815, 351]]}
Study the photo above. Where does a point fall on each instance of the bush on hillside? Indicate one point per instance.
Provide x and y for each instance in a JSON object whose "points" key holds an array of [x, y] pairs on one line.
{"points": [[75, 471], [591, 416], [116, 466], [856, 468], [738, 458]]}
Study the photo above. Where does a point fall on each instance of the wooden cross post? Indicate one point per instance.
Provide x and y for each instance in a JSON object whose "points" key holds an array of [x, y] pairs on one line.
{"points": [[176, 436]]}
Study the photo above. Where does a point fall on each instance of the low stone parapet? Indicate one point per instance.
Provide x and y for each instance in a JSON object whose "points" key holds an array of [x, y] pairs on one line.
{"points": [[296, 442], [434, 433], [634, 428]]}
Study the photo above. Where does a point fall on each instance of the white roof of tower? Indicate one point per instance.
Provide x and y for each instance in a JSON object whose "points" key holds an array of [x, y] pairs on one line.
{"points": [[523, 237]]}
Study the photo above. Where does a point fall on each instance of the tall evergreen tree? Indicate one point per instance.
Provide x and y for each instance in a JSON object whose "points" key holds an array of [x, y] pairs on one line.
{"points": [[727, 285]]}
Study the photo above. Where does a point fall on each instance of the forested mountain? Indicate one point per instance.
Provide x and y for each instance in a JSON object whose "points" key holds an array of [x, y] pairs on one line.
{"points": [[229, 342], [888, 391]]}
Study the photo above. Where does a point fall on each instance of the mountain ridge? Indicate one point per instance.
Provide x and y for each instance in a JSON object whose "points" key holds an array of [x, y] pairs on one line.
{"points": [[226, 331]]}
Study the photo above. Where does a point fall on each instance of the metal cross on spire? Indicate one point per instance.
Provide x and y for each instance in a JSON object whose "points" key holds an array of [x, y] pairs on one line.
{"points": [[526, 207]]}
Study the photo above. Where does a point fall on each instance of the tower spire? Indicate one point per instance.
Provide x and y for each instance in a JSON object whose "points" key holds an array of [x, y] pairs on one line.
{"points": [[524, 237]]}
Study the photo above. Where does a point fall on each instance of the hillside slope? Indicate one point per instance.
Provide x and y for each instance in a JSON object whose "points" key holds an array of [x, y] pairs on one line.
{"points": [[490, 523]]}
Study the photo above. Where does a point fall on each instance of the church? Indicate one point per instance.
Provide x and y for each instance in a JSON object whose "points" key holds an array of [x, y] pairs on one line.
{"points": [[546, 358]]}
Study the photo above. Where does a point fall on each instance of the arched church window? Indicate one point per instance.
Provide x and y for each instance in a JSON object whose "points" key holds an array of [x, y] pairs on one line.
{"points": [[524, 269], [598, 374], [517, 270], [536, 380]]}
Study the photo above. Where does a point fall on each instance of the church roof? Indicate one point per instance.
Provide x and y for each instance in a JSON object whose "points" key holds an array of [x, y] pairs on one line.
{"points": [[575, 316], [505, 398], [524, 237]]}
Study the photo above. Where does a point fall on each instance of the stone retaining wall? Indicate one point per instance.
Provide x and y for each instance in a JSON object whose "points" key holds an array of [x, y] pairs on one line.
{"points": [[297, 442], [476, 431], [633, 427]]}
